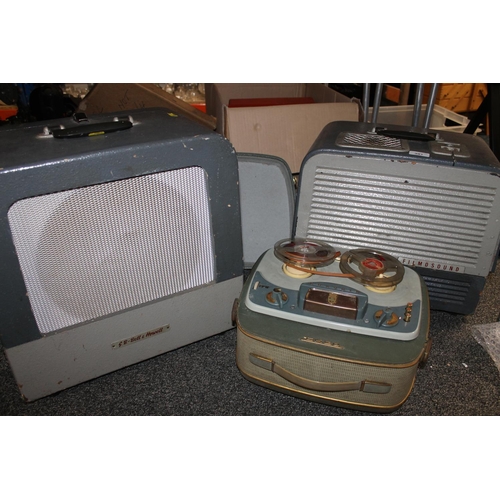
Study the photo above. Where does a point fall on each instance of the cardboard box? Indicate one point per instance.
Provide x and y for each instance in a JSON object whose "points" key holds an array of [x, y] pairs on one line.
{"points": [[285, 131], [218, 95], [111, 97]]}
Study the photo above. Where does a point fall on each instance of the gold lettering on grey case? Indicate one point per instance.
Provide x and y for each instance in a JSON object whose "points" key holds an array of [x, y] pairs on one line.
{"points": [[140, 336]]}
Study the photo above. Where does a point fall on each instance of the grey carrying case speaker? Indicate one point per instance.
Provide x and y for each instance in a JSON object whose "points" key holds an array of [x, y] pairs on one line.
{"points": [[120, 239], [429, 198], [267, 198]]}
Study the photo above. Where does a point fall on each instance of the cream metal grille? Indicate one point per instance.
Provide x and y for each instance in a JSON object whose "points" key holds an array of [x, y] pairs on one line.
{"points": [[93, 251], [414, 218]]}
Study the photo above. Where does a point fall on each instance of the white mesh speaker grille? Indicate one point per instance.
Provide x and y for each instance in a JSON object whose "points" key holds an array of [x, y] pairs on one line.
{"points": [[96, 250]]}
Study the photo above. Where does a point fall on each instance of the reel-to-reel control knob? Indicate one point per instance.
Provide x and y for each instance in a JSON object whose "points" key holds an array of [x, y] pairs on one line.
{"points": [[277, 297]]}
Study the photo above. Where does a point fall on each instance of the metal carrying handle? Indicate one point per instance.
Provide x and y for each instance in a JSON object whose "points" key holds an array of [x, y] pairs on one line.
{"points": [[362, 386]]}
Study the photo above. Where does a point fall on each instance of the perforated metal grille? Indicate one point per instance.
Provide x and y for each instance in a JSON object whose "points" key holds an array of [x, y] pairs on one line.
{"points": [[454, 292], [93, 251], [413, 218], [371, 141]]}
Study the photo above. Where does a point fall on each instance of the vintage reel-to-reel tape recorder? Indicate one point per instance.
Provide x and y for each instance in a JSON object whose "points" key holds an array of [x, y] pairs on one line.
{"points": [[344, 329]]}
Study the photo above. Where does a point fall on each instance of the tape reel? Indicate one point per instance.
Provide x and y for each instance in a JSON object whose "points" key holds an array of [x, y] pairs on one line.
{"points": [[372, 267], [304, 252]]}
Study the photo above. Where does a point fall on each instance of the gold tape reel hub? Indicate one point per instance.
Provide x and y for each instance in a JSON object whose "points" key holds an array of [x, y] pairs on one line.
{"points": [[377, 270]]}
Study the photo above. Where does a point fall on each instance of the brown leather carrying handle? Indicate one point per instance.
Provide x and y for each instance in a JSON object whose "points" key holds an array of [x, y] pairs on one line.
{"points": [[363, 385]]}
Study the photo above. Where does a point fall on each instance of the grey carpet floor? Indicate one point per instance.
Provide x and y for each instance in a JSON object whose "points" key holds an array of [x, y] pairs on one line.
{"points": [[202, 379]]}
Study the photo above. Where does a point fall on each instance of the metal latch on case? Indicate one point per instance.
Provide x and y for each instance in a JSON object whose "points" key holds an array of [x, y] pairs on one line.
{"points": [[79, 117], [450, 149]]}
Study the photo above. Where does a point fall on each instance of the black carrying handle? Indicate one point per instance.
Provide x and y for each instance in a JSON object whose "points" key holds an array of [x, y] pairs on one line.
{"points": [[91, 130], [406, 134]]}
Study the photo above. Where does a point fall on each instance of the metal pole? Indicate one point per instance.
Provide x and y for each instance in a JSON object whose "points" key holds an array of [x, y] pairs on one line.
{"points": [[430, 105], [418, 104], [376, 101], [366, 100]]}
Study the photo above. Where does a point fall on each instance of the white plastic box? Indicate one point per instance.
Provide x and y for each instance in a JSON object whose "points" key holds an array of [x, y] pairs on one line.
{"points": [[441, 119]]}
